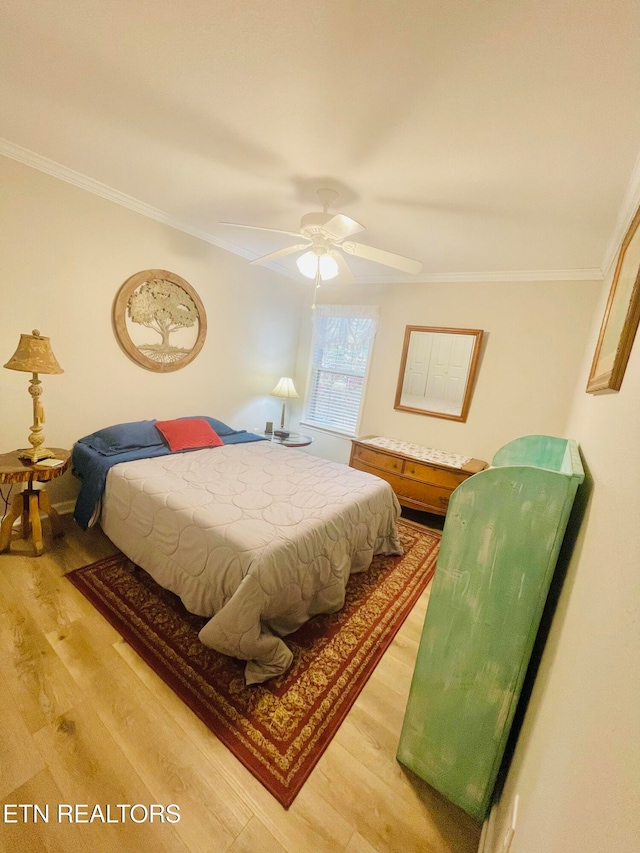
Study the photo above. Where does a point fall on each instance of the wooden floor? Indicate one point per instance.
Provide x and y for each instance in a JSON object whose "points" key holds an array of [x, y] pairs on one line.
{"points": [[83, 721]]}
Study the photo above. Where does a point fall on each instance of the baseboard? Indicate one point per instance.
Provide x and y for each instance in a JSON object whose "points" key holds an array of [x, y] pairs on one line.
{"points": [[65, 507], [487, 838], [62, 508]]}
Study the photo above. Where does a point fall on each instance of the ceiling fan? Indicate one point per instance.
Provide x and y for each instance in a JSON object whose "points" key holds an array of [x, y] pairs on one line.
{"points": [[325, 235]]}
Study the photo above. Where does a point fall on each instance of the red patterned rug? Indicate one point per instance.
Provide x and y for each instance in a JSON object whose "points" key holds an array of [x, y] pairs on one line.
{"points": [[278, 729]]}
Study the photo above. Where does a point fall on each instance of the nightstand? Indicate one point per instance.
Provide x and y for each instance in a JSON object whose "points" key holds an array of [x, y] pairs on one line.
{"points": [[30, 502]]}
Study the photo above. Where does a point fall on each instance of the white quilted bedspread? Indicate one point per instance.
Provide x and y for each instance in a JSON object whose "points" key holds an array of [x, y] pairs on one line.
{"points": [[257, 536]]}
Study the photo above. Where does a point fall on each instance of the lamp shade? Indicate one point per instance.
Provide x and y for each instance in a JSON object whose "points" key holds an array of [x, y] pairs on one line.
{"points": [[34, 355], [285, 388]]}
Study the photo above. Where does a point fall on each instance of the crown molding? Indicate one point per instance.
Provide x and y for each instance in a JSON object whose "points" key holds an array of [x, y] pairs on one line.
{"points": [[594, 274], [628, 208], [70, 176]]}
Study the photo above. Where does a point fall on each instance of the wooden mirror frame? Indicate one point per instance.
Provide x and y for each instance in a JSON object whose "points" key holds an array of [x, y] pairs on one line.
{"points": [[120, 320], [470, 379], [621, 316]]}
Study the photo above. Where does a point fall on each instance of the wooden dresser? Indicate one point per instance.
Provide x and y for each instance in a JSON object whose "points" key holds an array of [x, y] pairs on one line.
{"points": [[418, 482]]}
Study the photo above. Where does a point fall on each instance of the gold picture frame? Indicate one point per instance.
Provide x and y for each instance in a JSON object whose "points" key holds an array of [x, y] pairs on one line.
{"points": [[621, 316], [160, 303]]}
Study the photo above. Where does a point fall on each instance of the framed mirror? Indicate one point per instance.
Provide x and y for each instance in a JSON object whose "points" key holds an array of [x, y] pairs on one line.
{"points": [[437, 371]]}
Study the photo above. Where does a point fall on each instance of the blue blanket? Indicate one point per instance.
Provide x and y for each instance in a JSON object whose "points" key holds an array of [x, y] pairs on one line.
{"points": [[95, 454]]}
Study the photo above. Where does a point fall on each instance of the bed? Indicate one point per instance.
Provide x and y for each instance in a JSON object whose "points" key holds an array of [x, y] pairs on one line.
{"points": [[257, 536]]}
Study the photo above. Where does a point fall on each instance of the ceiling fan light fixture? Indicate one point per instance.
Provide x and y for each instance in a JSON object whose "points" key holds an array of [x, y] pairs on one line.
{"points": [[308, 264], [311, 262], [328, 267]]}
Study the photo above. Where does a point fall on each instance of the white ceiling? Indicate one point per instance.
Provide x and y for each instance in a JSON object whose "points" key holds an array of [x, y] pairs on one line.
{"points": [[490, 139]]}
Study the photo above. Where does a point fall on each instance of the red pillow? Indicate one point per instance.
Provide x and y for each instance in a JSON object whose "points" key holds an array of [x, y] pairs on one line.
{"points": [[189, 433]]}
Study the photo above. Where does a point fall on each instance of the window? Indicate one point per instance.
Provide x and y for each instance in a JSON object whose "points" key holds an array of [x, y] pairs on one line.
{"points": [[340, 352]]}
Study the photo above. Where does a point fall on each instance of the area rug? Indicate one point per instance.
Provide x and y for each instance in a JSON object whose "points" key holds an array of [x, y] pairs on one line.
{"points": [[278, 729]]}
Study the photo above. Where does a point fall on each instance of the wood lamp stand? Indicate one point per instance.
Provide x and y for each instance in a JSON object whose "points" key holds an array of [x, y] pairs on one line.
{"points": [[36, 438]]}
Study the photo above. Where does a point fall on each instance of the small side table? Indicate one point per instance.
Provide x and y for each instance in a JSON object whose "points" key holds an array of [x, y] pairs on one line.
{"points": [[30, 502], [294, 439]]}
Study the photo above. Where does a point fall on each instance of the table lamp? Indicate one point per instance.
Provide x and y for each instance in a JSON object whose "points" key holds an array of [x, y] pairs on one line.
{"points": [[285, 388], [34, 355]]}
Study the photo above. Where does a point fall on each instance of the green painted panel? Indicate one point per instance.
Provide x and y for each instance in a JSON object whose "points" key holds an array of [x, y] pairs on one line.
{"points": [[542, 451], [500, 544]]}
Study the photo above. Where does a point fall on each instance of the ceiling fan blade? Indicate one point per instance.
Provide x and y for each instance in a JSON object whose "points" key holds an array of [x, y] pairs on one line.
{"points": [[260, 228], [379, 256], [340, 226], [281, 253], [345, 276]]}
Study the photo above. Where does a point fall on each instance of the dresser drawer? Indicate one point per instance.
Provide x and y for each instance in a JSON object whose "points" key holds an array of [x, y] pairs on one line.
{"points": [[376, 459], [431, 474], [420, 495], [411, 493]]}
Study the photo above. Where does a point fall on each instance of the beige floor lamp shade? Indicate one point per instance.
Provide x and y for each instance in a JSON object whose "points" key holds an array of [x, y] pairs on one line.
{"points": [[34, 355], [286, 389]]}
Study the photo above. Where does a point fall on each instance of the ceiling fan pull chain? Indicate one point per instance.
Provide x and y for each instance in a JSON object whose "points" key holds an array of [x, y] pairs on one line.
{"points": [[315, 289]]}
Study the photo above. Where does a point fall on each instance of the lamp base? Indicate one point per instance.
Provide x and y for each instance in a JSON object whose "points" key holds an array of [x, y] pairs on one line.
{"points": [[35, 454]]}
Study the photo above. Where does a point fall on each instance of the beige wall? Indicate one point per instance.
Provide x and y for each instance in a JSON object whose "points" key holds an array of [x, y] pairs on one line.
{"points": [[63, 255], [532, 351], [577, 764]]}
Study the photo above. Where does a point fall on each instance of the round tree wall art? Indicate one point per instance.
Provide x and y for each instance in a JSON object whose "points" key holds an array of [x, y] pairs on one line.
{"points": [[159, 320]]}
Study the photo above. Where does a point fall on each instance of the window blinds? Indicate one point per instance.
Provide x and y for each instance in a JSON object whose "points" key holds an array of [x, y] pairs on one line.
{"points": [[340, 351]]}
